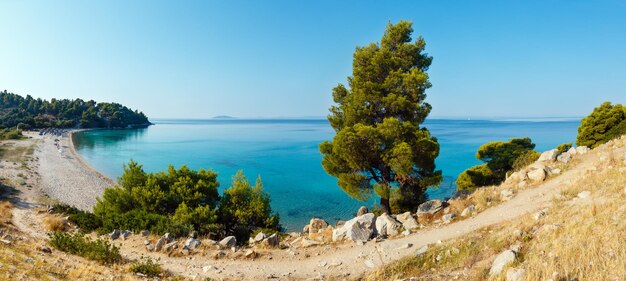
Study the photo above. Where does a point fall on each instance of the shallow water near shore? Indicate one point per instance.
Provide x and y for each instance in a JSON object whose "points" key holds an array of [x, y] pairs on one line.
{"points": [[285, 154]]}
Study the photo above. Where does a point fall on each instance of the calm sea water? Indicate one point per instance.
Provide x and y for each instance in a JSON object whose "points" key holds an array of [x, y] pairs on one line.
{"points": [[285, 154]]}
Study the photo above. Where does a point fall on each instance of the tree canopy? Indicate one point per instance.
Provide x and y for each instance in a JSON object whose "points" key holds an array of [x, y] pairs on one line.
{"points": [[37, 113], [499, 157], [379, 144], [606, 122]]}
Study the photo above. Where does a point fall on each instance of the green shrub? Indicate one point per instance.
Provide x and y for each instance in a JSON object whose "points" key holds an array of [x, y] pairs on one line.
{"points": [[179, 201], [10, 134], [594, 129], [148, 268], [86, 222], [98, 250], [526, 159], [476, 176], [616, 131], [563, 148]]}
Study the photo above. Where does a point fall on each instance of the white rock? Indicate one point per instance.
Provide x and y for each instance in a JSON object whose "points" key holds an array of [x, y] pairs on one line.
{"points": [[387, 226], [407, 220], [549, 155], [468, 211], [272, 240], [357, 229], [362, 211], [430, 207], [515, 274], [229, 242], [305, 243], [192, 243], [315, 225], [259, 237], [502, 260], [540, 214], [582, 150], [421, 250], [448, 218], [405, 246], [537, 175], [572, 151], [555, 171], [584, 194], [564, 157], [370, 263]]}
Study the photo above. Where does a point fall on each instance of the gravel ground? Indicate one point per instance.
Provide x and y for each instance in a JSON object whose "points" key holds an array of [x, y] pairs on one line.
{"points": [[65, 177]]}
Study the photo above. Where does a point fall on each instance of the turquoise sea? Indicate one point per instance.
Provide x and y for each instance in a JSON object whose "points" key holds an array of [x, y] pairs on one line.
{"points": [[284, 152]]}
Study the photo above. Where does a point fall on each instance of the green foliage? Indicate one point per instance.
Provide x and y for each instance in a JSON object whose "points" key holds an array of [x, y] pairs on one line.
{"points": [[10, 134], [526, 159], [98, 250], [86, 222], [37, 113], [616, 131], [476, 176], [181, 200], [499, 157], [244, 208], [595, 129], [379, 145], [148, 268], [562, 148]]}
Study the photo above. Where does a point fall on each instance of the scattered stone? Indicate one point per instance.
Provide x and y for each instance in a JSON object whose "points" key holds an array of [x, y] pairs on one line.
{"points": [[515, 274], [362, 211], [228, 242], [315, 225], [45, 249], [340, 224], [207, 268], [305, 243], [193, 234], [564, 157], [387, 225], [460, 195], [167, 236], [582, 150], [549, 155], [537, 175], [170, 246], [115, 234], [359, 228], [150, 247], [334, 264], [421, 250], [407, 220], [145, 233], [250, 254], [50, 209], [370, 263], [430, 207], [506, 194], [502, 260], [448, 218], [259, 237], [584, 194], [539, 214], [125, 234], [572, 151], [192, 243], [29, 260], [406, 232], [272, 240], [516, 177], [468, 211], [518, 233], [555, 171], [146, 242], [305, 229], [405, 246], [515, 248]]}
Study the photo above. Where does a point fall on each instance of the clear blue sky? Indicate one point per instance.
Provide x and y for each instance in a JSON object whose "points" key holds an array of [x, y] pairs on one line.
{"points": [[198, 59]]}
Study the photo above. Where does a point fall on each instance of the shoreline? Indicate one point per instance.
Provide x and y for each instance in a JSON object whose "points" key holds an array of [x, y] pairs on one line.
{"points": [[72, 149]]}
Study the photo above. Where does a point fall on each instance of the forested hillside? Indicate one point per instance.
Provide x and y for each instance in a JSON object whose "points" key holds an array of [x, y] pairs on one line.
{"points": [[30, 113]]}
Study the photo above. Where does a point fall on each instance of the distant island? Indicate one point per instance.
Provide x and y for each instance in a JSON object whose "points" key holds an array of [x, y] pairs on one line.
{"points": [[30, 113], [223, 117]]}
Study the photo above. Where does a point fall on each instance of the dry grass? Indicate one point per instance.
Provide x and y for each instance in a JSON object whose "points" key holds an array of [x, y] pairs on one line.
{"points": [[5, 212], [578, 239], [55, 223]]}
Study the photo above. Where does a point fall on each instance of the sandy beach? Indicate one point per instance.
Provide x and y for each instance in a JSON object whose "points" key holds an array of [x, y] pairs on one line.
{"points": [[64, 176]]}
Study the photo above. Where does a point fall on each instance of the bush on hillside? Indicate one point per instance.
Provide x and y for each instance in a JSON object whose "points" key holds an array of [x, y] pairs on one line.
{"points": [[182, 200], [148, 268], [562, 148], [526, 159], [499, 158], [76, 244], [596, 128], [10, 134], [85, 221]]}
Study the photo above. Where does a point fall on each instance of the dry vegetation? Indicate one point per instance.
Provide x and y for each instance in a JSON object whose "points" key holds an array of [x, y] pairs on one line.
{"points": [[579, 238]]}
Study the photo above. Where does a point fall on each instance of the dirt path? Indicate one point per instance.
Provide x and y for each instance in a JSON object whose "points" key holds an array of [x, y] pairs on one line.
{"points": [[352, 260]]}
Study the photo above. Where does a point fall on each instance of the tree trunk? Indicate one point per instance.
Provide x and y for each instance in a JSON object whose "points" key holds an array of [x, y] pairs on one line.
{"points": [[384, 206]]}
